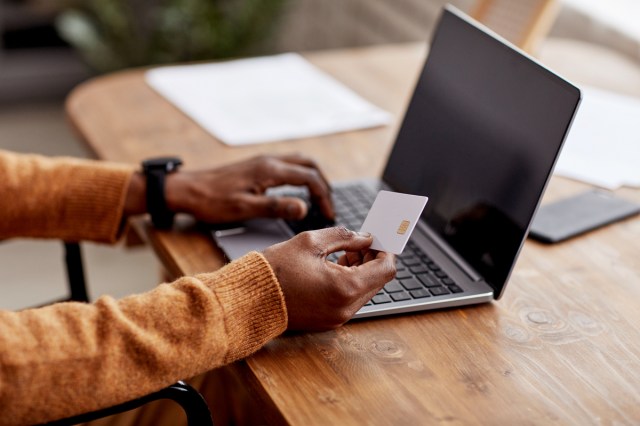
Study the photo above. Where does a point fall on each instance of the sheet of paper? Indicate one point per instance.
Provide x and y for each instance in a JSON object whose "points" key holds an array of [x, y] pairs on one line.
{"points": [[603, 146], [264, 99], [391, 220]]}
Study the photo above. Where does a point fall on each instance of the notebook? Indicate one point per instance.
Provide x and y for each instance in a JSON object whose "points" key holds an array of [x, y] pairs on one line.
{"points": [[480, 138]]}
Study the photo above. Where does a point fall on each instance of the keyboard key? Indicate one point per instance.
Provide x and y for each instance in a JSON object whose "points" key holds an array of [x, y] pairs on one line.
{"points": [[433, 266], [420, 269], [351, 204], [455, 289], [380, 299], [393, 286], [411, 284], [448, 281], [401, 275], [441, 274], [411, 261], [428, 280], [419, 294], [436, 291], [399, 297]]}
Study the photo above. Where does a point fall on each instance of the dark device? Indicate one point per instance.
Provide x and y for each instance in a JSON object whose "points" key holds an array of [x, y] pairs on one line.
{"points": [[156, 171], [569, 217]]}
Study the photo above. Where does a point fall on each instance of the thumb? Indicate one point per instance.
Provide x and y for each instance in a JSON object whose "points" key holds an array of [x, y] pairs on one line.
{"points": [[340, 238], [284, 207]]}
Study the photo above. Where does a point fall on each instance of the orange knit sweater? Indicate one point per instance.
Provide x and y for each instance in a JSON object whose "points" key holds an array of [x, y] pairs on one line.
{"points": [[73, 357]]}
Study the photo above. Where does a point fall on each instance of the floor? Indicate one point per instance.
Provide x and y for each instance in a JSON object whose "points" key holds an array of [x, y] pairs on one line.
{"points": [[32, 271]]}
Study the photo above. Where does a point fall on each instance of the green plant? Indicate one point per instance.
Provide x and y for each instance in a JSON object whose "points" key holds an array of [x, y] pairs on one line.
{"points": [[115, 34]]}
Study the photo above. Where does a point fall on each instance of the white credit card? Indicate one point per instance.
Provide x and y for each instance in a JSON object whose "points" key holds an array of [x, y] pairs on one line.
{"points": [[391, 220]]}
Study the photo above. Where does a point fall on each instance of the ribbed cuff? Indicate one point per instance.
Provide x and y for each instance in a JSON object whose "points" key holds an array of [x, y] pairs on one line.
{"points": [[253, 303], [97, 217]]}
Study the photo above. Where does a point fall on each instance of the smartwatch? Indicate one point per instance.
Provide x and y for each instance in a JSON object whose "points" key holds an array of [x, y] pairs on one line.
{"points": [[155, 171]]}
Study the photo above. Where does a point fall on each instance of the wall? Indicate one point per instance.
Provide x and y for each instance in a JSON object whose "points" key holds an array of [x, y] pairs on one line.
{"points": [[321, 24]]}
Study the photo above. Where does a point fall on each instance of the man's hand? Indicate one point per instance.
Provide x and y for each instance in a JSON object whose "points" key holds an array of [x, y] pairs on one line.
{"points": [[237, 192], [323, 295]]}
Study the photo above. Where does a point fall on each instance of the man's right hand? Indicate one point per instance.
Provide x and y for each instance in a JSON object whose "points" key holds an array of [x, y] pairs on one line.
{"points": [[323, 295]]}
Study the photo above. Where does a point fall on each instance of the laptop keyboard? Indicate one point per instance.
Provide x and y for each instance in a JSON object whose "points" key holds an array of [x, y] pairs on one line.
{"points": [[417, 277]]}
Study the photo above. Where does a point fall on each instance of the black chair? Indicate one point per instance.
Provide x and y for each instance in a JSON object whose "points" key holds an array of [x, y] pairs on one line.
{"points": [[193, 404], [75, 272]]}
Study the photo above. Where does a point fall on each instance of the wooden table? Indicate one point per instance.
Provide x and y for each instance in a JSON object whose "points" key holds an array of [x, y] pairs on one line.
{"points": [[562, 346]]}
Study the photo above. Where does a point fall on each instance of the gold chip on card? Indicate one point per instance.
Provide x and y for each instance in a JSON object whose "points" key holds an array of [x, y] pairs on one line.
{"points": [[404, 225]]}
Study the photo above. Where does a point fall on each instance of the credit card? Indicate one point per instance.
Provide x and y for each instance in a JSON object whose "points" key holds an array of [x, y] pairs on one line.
{"points": [[391, 220]]}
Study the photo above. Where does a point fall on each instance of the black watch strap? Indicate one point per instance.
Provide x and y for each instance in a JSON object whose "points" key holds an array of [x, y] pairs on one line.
{"points": [[156, 170]]}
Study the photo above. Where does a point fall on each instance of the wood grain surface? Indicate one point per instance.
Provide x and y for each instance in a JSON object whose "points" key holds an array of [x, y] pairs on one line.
{"points": [[561, 347]]}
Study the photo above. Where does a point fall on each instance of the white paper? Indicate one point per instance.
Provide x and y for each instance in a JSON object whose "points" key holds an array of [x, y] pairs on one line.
{"points": [[264, 99], [603, 146]]}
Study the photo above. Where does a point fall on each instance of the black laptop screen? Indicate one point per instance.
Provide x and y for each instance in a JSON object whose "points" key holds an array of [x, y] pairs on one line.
{"points": [[480, 138]]}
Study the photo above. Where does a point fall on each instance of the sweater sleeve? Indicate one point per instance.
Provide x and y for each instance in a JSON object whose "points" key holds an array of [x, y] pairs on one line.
{"points": [[64, 198], [71, 357]]}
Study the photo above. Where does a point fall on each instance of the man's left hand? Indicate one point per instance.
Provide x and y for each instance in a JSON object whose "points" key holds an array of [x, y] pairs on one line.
{"points": [[237, 192]]}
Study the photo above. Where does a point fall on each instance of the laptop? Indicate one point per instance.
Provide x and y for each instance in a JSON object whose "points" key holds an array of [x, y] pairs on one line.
{"points": [[480, 138]]}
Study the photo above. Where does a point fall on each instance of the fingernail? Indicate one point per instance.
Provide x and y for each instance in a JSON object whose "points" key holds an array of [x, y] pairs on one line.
{"points": [[364, 234]]}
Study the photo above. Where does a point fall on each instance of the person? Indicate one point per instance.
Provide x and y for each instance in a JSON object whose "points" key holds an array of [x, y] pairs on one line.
{"points": [[69, 358]]}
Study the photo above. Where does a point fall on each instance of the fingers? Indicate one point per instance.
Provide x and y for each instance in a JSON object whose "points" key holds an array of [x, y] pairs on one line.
{"points": [[351, 258], [377, 264], [285, 207], [369, 256], [330, 240], [364, 278], [304, 161], [376, 272], [297, 170], [364, 256]]}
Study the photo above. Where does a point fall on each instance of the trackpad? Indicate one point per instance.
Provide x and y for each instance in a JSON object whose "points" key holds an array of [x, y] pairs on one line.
{"points": [[255, 234]]}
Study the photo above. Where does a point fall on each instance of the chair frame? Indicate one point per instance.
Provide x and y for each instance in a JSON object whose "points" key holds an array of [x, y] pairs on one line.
{"points": [[75, 272], [538, 24], [186, 396], [191, 401]]}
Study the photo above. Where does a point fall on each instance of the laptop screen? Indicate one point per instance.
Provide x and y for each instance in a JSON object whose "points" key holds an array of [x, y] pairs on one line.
{"points": [[480, 138]]}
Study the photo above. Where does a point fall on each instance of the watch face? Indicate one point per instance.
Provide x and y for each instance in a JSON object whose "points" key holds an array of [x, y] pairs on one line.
{"points": [[155, 170], [169, 164]]}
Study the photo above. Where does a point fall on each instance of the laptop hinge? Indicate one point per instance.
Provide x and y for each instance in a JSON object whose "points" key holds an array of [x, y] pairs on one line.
{"points": [[450, 252]]}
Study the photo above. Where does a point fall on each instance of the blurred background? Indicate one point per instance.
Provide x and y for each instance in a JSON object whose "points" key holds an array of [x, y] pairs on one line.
{"points": [[49, 46]]}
